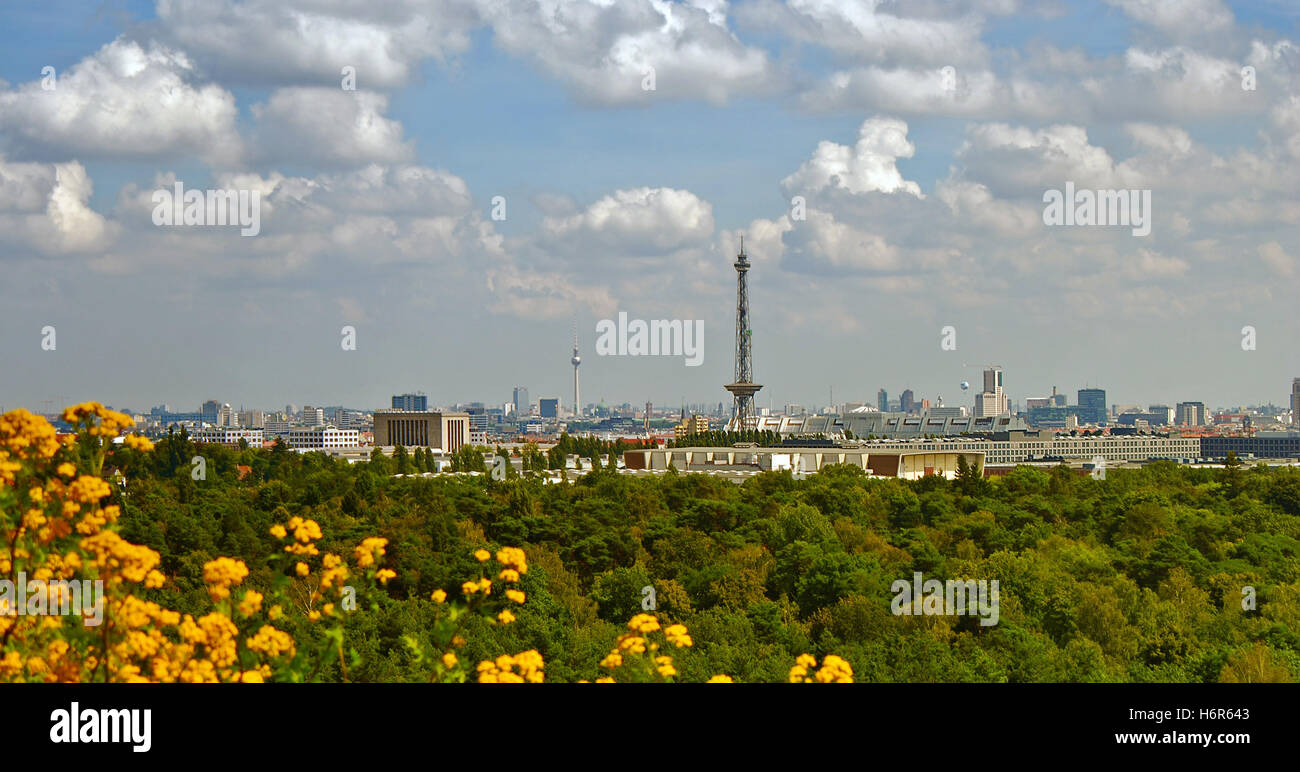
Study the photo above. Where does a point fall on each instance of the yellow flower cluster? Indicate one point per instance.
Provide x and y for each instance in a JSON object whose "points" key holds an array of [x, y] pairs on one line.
{"points": [[109, 423], [222, 574], [521, 668], [304, 533], [834, 670], [631, 645], [370, 550], [513, 558]]}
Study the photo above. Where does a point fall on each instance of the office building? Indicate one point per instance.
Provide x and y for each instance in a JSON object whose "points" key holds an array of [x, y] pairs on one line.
{"points": [[225, 436], [416, 401], [520, 400], [550, 407], [882, 401], [445, 432], [322, 437], [209, 411], [1190, 414], [992, 401], [1295, 401], [1261, 445], [312, 416], [1092, 406], [907, 402]]}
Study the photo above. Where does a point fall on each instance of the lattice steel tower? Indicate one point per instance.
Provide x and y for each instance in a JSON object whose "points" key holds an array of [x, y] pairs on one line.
{"points": [[743, 388]]}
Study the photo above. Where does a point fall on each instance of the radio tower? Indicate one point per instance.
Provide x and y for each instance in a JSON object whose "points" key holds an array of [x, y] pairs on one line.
{"points": [[743, 389], [576, 360]]}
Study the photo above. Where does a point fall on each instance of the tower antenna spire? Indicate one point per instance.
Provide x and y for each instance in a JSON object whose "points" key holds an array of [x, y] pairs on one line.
{"points": [[743, 387]]}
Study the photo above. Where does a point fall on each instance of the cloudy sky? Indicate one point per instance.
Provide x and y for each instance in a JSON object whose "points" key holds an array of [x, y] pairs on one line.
{"points": [[886, 163]]}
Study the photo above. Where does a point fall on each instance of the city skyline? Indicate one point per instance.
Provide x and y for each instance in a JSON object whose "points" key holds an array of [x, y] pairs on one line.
{"points": [[458, 196]]}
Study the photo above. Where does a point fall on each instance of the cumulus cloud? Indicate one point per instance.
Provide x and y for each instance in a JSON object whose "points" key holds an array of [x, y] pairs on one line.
{"points": [[44, 208], [309, 42], [125, 101], [631, 222], [328, 127], [605, 51], [871, 165]]}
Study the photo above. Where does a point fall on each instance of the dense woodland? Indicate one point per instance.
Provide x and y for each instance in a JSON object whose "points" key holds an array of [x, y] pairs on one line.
{"points": [[1137, 577]]}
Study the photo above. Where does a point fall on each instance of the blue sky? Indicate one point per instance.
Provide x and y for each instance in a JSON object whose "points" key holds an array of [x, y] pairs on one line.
{"points": [[924, 207]]}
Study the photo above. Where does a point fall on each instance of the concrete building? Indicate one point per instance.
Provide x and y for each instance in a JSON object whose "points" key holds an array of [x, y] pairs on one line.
{"points": [[696, 424], [1295, 401], [445, 432], [935, 421], [228, 436], [520, 400], [321, 437], [549, 407], [312, 416], [1190, 414], [1012, 448], [903, 462], [992, 401]]}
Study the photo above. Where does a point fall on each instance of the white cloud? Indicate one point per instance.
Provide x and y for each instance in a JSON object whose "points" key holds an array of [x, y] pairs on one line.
{"points": [[44, 208], [126, 101], [871, 165], [328, 127], [631, 222]]}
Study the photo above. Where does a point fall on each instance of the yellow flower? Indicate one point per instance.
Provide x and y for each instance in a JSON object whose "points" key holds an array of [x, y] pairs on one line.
{"points": [[469, 588], [302, 568], [508, 575], [482, 555], [449, 660], [515, 595], [251, 604], [439, 596], [513, 557], [66, 470], [278, 531], [720, 679], [505, 617], [645, 623], [221, 574], [384, 574]]}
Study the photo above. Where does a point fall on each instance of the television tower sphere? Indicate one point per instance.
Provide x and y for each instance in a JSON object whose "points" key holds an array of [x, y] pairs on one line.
{"points": [[965, 385], [577, 360]]}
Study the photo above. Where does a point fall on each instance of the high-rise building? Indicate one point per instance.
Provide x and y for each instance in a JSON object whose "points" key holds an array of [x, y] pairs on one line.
{"points": [[743, 387], [209, 411], [312, 416], [226, 416], [1295, 401], [522, 406], [550, 407], [415, 401], [1092, 406], [1190, 414], [992, 401], [882, 400], [907, 401]]}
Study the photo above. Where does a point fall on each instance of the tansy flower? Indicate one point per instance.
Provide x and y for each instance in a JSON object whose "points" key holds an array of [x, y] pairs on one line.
{"points": [[505, 617], [482, 555], [439, 596], [515, 595], [384, 574], [302, 568], [720, 679], [449, 660], [278, 531]]}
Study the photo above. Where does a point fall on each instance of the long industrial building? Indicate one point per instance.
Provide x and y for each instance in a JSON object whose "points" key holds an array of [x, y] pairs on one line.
{"points": [[909, 463], [890, 425]]}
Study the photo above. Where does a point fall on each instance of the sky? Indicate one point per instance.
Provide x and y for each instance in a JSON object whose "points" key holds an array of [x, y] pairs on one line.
{"points": [[496, 174]]}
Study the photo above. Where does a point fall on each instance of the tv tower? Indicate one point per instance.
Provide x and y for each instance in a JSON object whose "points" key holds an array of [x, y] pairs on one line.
{"points": [[743, 388], [576, 360]]}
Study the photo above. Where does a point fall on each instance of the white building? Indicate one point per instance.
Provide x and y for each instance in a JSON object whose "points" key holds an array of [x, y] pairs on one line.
{"points": [[321, 437], [228, 436]]}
